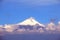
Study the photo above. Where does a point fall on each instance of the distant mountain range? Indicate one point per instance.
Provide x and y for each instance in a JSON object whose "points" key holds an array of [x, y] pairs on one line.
{"points": [[30, 25]]}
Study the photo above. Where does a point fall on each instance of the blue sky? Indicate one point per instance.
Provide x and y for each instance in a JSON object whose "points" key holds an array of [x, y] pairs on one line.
{"points": [[15, 11]]}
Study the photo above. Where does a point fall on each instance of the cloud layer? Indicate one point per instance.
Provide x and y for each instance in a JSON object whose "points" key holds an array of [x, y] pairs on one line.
{"points": [[49, 28]]}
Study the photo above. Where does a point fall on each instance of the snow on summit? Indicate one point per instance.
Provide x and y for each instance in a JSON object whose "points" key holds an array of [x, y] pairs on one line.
{"points": [[30, 21]]}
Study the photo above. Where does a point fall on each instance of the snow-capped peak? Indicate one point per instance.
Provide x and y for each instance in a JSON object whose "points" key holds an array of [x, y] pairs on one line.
{"points": [[30, 21]]}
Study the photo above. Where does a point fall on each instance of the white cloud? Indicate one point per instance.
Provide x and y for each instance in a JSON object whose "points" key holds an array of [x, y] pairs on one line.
{"points": [[36, 2], [59, 22], [42, 2]]}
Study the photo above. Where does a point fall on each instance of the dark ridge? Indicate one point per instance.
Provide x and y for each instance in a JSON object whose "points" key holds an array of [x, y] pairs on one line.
{"points": [[1, 38]]}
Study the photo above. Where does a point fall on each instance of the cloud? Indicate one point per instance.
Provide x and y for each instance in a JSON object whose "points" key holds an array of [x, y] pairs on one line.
{"points": [[41, 2], [36, 2], [49, 28]]}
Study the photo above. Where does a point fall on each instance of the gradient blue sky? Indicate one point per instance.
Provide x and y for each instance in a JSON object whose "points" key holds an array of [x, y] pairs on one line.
{"points": [[15, 11]]}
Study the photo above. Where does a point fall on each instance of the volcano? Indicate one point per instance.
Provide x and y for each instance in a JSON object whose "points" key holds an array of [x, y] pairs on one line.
{"points": [[30, 21]]}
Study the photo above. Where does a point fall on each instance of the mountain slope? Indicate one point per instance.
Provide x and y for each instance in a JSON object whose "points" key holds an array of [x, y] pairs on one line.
{"points": [[30, 21]]}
